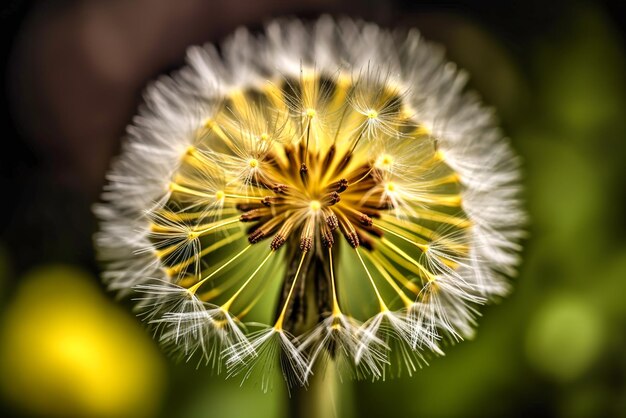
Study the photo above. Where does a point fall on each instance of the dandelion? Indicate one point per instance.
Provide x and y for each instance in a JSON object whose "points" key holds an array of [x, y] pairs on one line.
{"points": [[328, 186]]}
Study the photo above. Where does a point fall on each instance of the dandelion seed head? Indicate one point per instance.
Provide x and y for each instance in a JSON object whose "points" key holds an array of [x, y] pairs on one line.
{"points": [[330, 185]]}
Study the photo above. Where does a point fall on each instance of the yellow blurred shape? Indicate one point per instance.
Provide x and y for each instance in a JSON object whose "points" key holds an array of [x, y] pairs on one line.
{"points": [[65, 350], [565, 337]]}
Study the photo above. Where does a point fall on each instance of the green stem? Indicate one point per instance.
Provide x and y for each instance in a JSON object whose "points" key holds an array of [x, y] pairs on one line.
{"points": [[326, 397]]}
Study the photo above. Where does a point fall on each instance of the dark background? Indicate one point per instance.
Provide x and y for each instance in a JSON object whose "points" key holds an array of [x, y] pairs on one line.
{"points": [[73, 73]]}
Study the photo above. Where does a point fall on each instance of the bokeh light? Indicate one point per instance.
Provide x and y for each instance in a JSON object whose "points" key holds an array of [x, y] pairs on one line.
{"points": [[67, 351], [566, 335]]}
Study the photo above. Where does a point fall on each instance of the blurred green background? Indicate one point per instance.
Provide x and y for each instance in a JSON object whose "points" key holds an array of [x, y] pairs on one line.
{"points": [[73, 75]]}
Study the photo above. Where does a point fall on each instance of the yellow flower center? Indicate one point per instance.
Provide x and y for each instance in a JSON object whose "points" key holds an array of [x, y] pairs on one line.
{"points": [[320, 181]]}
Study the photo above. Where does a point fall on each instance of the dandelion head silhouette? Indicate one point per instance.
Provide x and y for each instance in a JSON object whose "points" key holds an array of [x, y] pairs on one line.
{"points": [[318, 195]]}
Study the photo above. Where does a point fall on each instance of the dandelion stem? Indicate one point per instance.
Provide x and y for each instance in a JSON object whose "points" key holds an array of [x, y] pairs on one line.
{"points": [[325, 397]]}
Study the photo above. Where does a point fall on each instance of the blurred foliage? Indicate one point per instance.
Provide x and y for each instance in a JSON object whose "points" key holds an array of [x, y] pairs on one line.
{"points": [[565, 337], [581, 76], [228, 399]]}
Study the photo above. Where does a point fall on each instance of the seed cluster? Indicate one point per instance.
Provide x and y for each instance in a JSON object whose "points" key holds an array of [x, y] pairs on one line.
{"points": [[303, 162], [336, 215]]}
